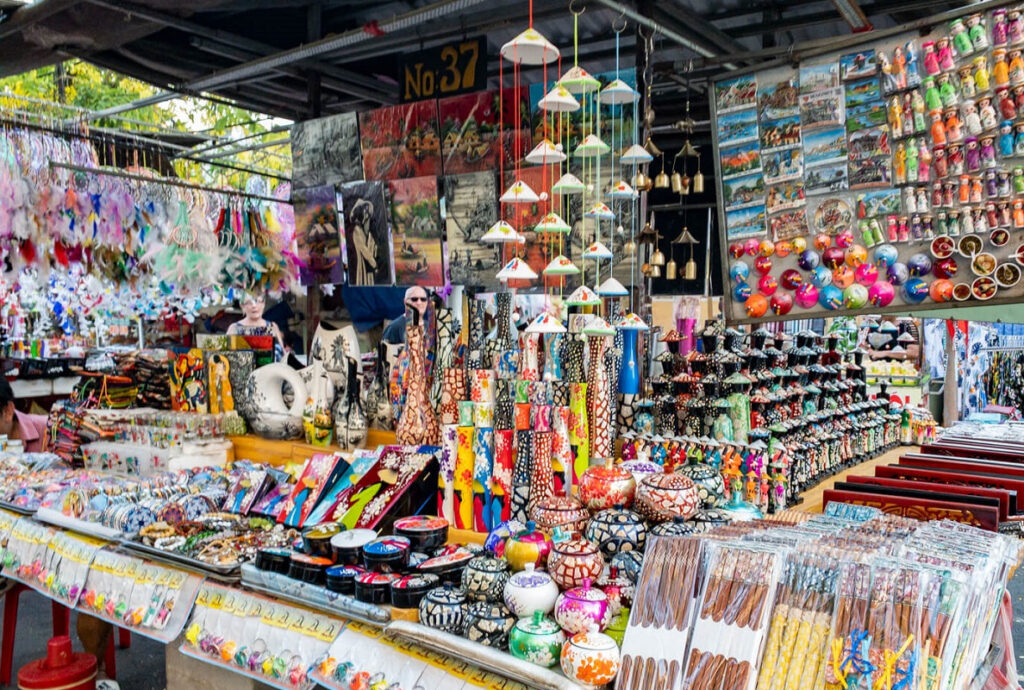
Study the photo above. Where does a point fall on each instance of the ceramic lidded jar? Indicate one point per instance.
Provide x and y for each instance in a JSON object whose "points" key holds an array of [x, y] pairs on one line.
{"points": [[707, 519], [574, 561], [641, 468], [617, 529], [426, 532], [528, 546], [529, 591], [661, 497], [617, 627], [591, 659], [444, 608], [484, 578], [604, 486], [677, 527], [619, 590], [537, 639], [710, 485], [489, 624], [560, 511], [629, 563], [582, 607]]}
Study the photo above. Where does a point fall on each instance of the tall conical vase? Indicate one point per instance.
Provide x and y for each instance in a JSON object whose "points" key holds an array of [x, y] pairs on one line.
{"points": [[417, 425], [599, 401], [521, 472], [553, 356], [528, 370], [446, 472], [446, 329], [357, 425], [475, 343], [629, 374]]}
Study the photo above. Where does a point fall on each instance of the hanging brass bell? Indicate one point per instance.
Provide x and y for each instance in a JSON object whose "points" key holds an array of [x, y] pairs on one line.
{"points": [[629, 248], [661, 180], [655, 271], [698, 183], [658, 258], [690, 270], [641, 181], [670, 269], [646, 270], [677, 183]]}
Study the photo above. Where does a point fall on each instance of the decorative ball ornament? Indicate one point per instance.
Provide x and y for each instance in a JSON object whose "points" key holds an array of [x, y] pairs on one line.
{"points": [[807, 295], [809, 260], [842, 277], [844, 239], [783, 249], [915, 290], [768, 285], [941, 290], [919, 265], [766, 248], [763, 265], [822, 241], [831, 297], [866, 274], [741, 291], [855, 296], [856, 255], [751, 247], [821, 276], [945, 268], [881, 294], [833, 257], [799, 245], [886, 255], [756, 306], [739, 271], [898, 273], [791, 279], [781, 303], [736, 250]]}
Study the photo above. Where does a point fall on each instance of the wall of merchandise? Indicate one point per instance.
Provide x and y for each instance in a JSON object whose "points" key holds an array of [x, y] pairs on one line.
{"points": [[878, 177]]}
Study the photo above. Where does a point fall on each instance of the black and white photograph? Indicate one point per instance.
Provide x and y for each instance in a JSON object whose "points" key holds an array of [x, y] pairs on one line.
{"points": [[471, 208], [326, 151], [366, 233]]}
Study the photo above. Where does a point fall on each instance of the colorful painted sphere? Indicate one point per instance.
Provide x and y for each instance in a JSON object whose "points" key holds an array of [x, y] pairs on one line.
{"points": [[866, 274], [739, 271], [941, 290], [538, 640], [844, 239], [822, 241], [791, 279], [736, 250], [833, 257], [741, 291], [806, 295], [881, 294], [751, 247], [915, 290], [768, 284], [766, 248], [763, 264], [831, 297], [856, 255], [945, 268], [591, 659], [529, 546], [886, 255], [842, 277], [809, 260], [580, 608], [799, 245], [756, 306], [919, 264], [784, 248], [898, 273], [781, 303], [821, 276], [855, 296]]}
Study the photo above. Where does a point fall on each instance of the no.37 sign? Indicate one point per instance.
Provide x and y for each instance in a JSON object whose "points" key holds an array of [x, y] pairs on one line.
{"points": [[445, 70]]}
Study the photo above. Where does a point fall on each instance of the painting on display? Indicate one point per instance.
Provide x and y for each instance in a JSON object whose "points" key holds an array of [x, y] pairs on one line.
{"points": [[401, 141], [416, 231], [471, 126], [367, 239], [228, 371], [189, 392], [318, 236], [326, 151], [471, 208]]}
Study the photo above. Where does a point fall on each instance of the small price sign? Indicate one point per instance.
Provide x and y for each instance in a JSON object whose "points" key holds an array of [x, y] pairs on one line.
{"points": [[446, 70]]}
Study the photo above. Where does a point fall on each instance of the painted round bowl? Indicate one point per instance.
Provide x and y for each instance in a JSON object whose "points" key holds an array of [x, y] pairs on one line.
{"points": [[537, 639], [661, 497], [604, 486], [591, 659], [444, 608], [560, 511], [617, 529], [710, 485], [484, 578], [529, 591], [582, 608], [489, 624], [574, 561], [528, 546]]}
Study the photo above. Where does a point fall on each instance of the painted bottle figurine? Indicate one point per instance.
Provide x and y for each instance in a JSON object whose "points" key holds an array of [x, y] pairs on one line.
{"points": [[947, 92], [954, 132], [967, 86], [917, 107], [961, 39], [924, 154], [1000, 70], [999, 36], [912, 165], [976, 30], [1018, 143], [972, 121], [945, 52], [981, 74], [938, 129], [1015, 67], [930, 59], [932, 100], [988, 152], [987, 113], [1014, 27]]}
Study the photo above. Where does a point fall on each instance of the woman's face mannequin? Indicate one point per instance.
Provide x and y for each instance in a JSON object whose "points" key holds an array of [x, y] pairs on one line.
{"points": [[252, 307]]}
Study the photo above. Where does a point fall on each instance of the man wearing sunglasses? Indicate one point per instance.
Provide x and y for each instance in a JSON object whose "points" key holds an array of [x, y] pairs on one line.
{"points": [[415, 298]]}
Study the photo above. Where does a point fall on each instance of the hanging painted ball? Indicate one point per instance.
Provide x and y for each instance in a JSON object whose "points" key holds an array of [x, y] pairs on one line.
{"points": [[831, 297], [881, 294], [736, 250], [756, 306], [781, 303], [791, 279], [784, 248], [844, 239], [919, 265], [821, 276], [897, 273], [763, 264], [766, 248], [886, 255], [741, 291], [842, 277], [941, 290], [739, 271], [808, 260], [799, 245], [751, 247], [768, 285], [915, 290], [866, 274], [833, 257], [855, 296], [822, 241], [945, 268], [856, 255], [806, 296]]}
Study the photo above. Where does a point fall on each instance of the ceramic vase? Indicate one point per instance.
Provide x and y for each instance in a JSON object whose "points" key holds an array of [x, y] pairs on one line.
{"points": [[542, 478], [417, 425], [643, 420], [378, 402], [444, 350], [530, 591], [484, 579], [582, 608], [573, 360], [629, 373], [537, 639], [553, 356], [489, 624], [521, 471], [591, 659], [475, 340], [529, 358], [356, 424], [605, 486], [453, 389], [574, 561], [598, 400], [504, 404], [616, 530]]}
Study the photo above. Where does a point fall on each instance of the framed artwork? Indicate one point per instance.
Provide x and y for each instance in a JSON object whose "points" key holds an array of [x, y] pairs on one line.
{"points": [[189, 392], [228, 370], [471, 208], [318, 236], [401, 141], [470, 127], [326, 151], [367, 238], [416, 231]]}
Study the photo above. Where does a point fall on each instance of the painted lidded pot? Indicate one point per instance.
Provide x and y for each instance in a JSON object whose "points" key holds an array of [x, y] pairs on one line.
{"points": [[617, 628], [575, 561], [581, 608], [641, 468], [617, 529], [676, 527], [707, 519], [560, 511], [537, 639], [426, 532], [484, 578], [590, 658], [620, 590], [528, 546], [710, 485], [530, 591], [444, 608], [661, 497], [629, 563], [489, 624], [604, 486]]}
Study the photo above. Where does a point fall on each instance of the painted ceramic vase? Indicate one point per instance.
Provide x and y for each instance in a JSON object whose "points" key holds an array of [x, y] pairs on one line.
{"points": [[574, 561], [582, 608], [591, 659], [489, 624], [617, 628], [661, 497], [418, 424], [537, 639], [629, 564], [618, 588], [617, 529], [706, 520], [604, 486], [484, 578], [529, 546], [710, 485], [444, 609], [677, 527], [560, 511], [530, 591]]}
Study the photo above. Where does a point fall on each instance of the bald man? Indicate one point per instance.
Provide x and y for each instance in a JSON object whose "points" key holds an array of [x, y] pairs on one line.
{"points": [[415, 298]]}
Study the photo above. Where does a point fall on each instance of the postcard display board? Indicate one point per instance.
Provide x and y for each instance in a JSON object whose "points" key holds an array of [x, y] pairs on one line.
{"points": [[885, 176]]}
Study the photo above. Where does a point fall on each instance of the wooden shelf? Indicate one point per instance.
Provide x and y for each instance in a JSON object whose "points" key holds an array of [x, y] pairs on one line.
{"points": [[278, 453]]}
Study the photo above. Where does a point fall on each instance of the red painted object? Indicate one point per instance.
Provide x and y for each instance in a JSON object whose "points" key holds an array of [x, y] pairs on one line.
{"points": [[61, 669]]}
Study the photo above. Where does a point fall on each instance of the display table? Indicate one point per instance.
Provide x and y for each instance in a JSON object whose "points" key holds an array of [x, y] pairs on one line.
{"points": [[278, 453]]}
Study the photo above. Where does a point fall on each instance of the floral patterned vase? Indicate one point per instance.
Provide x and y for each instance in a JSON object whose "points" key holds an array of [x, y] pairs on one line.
{"points": [[599, 400], [417, 425]]}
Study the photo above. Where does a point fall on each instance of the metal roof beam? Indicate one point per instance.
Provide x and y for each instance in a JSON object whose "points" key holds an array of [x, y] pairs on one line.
{"points": [[697, 28], [31, 15]]}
